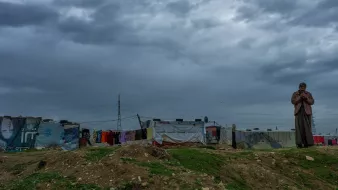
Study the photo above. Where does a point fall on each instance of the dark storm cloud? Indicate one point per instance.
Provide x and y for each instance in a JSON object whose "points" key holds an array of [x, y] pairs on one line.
{"points": [[13, 14], [180, 8], [187, 64], [205, 23], [80, 3], [321, 14]]}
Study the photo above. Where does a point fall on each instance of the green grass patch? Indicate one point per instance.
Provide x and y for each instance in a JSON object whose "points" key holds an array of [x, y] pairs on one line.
{"points": [[249, 154], [155, 168], [324, 166], [96, 154], [237, 185], [199, 161], [54, 179], [18, 168], [208, 147]]}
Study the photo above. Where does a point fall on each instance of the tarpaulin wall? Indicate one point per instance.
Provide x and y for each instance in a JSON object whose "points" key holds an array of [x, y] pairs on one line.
{"points": [[71, 137], [29, 132], [18, 133], [265, 139], [213, 134], [50, 134], [179, 132], [225, 135]]}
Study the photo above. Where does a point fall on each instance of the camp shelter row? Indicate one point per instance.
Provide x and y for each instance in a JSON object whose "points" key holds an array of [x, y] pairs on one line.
{"points": [[19, 133], [155, 132], [162, 132], [260, 139]]}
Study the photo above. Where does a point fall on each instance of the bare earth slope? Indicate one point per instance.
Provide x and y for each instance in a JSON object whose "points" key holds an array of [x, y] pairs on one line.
{"points": [[137, 167]]}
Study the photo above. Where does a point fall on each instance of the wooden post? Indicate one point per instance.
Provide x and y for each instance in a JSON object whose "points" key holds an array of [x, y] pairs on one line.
{"points": [[234, 145]]}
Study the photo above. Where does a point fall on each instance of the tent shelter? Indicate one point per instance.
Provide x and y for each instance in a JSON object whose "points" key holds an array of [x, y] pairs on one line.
{"points": [[178, 132]]}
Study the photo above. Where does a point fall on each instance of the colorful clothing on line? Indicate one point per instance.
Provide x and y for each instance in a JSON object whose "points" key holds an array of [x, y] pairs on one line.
{"points": [[138, 134], [149, 133], [99, 136], [94, 137]]}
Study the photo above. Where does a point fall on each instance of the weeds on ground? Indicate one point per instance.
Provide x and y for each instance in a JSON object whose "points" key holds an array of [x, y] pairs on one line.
{"points": [[198, 161], [54, 179], [324, 166], [18, 168], [96, 154], [155, 168], [236, 186], [208, 147]]}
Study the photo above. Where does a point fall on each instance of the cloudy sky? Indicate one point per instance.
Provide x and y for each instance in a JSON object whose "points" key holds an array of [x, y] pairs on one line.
{"points": [[236, 61]]}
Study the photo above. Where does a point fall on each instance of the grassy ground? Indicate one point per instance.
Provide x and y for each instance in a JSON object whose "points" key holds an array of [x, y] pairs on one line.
{"points": [[135, 167]]}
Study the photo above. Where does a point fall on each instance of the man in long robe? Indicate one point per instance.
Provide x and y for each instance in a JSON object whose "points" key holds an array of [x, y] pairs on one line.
{"points": [[302, 101]]}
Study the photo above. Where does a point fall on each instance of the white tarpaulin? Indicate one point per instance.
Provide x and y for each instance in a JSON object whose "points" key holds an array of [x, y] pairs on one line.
{"points": [[225, 135], [179, 131]]}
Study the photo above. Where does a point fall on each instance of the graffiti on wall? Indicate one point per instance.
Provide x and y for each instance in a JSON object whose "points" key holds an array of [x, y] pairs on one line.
{"points": [[29, 132], [10, 137], [71, 137], [262, 140], [50, 134]]}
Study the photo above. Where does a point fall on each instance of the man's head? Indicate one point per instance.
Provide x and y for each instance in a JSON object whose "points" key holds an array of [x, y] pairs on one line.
{"points": [[302, 86]]}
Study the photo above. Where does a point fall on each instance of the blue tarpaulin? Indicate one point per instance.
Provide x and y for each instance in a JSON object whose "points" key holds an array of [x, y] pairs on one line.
{"points": [[71, 137], [50, 134]]}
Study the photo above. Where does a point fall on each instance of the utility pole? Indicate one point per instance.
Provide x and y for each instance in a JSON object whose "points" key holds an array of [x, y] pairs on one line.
{"points": [[139, 121], [119, 127], [314, 131]]}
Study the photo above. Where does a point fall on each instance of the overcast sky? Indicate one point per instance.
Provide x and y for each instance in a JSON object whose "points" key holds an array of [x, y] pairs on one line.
{"points": [[236, 61]]}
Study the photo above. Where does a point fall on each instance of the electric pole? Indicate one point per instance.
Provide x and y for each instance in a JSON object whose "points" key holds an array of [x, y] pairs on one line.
{"points": [[119, 127], [313, 125], [139, 121]]}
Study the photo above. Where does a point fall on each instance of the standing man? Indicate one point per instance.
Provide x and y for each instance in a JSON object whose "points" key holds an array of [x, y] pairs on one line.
{"points": [[302, 101]]}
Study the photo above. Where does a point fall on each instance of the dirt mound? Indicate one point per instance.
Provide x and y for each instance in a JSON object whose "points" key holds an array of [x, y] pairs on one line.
{"points": [[108, 170], [186, 168], [56, 160], [139, 152]]}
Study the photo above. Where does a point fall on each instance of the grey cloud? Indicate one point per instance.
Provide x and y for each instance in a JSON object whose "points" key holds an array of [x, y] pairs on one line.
{"points": [[180, 8], [275, 73], [321, 14], [327, 4], [273, 6], [13, 14], [205, 23], [317, 17], [246, 13], [80, 3], [209, 67]]}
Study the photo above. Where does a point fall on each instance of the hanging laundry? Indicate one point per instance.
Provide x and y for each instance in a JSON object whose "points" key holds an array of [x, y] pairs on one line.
{"points": [[110, 137], [123, 137], [326, 140], [144, 133], [129, 136], [104, 136], [132, 135], [94, 135], [319, 140], [138, 135], [149, 133], [117, 136], [334, 141], [99, 136]]}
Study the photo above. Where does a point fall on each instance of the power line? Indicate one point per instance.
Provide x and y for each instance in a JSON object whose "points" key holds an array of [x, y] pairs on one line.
{"points": [[119, 126], [103, 121]]}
